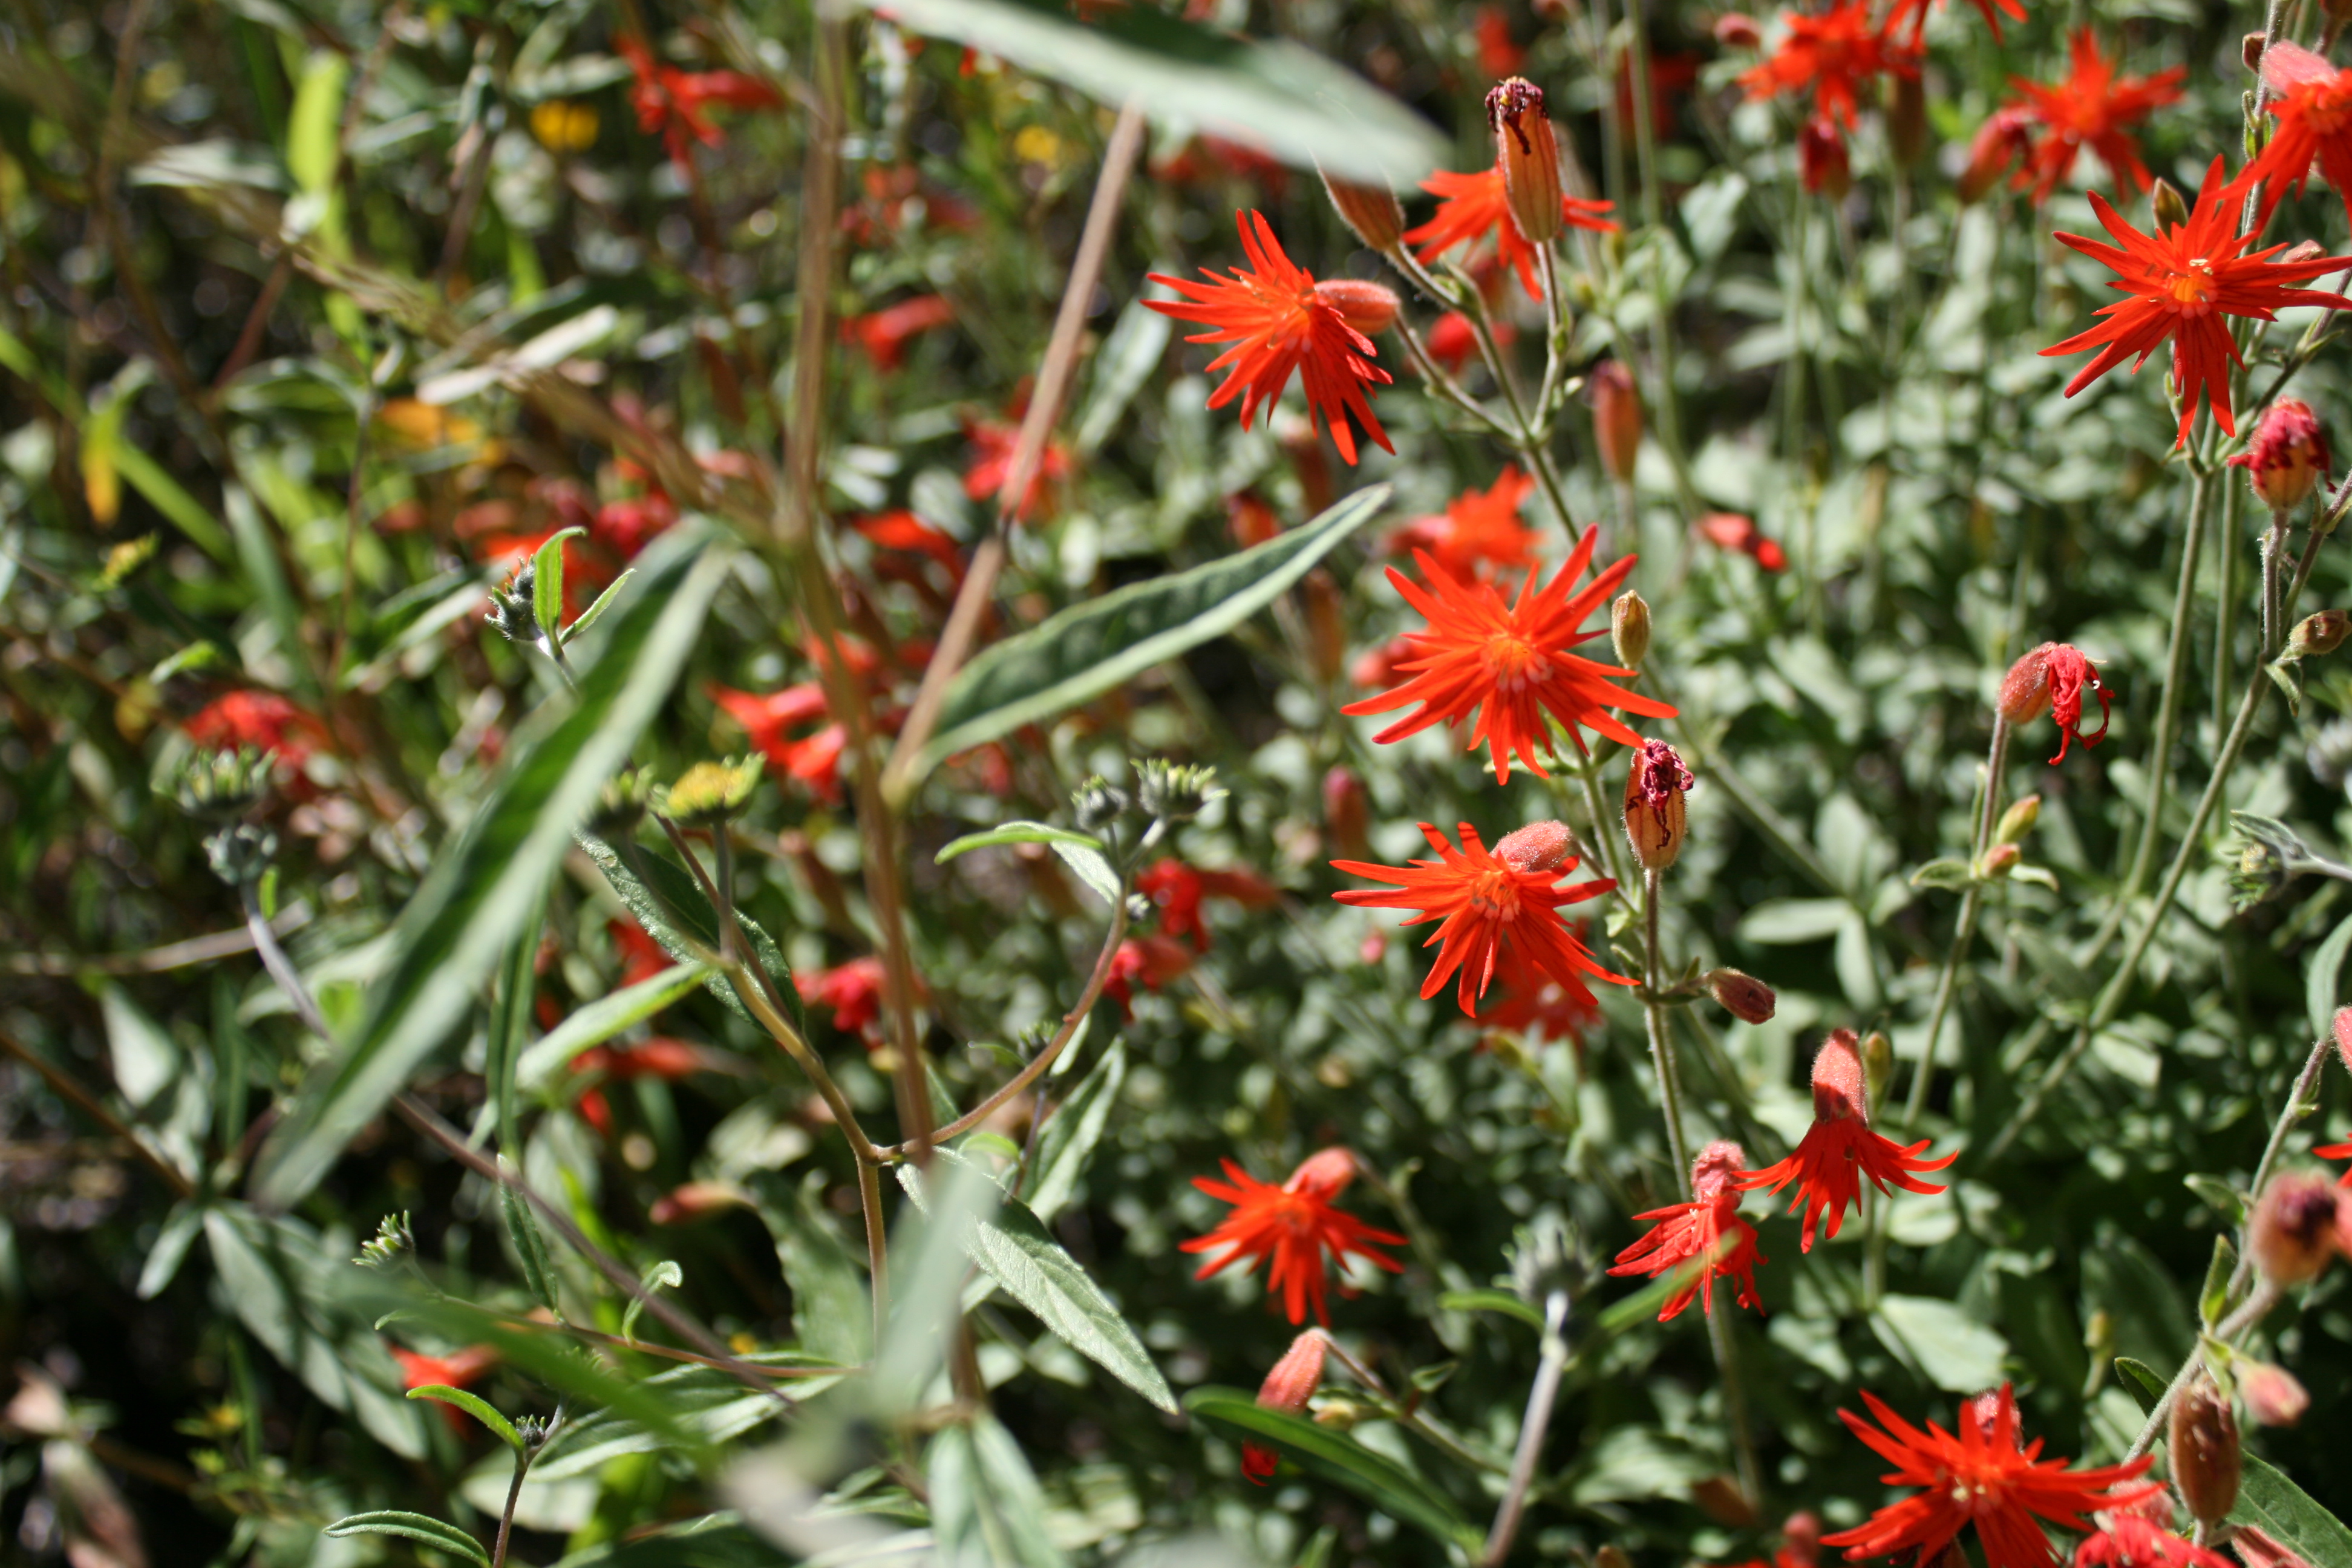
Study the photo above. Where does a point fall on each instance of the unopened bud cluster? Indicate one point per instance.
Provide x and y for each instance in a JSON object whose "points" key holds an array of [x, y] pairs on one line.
{"points": [[221, 787]]}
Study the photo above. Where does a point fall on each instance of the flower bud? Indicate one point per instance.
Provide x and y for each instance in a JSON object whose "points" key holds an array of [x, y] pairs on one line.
{"points": [[1823, 163], [2273, 1396], [1712, 1171], [1629, 628], [1528, 155], [1840, 1092], [1616, 418], [1735, 30], [1325, 1173], [1654, 786], [1372, 212], [1801, 1536], [1996, 146], [2294, 1231], [710, 792], [2250, 49], [2321, 634], [1906, 120], [1175, 792], [1877, 1064], [1346, 813], [1537, 847], [221, 787], [2017, 820], [1370, 307], [2259, 874], [1250, 520], [1996, 862], [510, 607], [1720, 1499], [2287, 455], [1327, 625], [2164, 203], [2342, 1029], [2206, 1462], [1743, 997], [621, 803]]}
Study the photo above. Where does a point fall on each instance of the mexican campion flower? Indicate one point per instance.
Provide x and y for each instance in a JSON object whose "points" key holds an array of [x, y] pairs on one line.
{"points": [[1705, 1238], [1840, 1149], [1296, 1226], [1833, 56], [2051, 679], [2091, 109], [1473, 207], [2314, 110]]}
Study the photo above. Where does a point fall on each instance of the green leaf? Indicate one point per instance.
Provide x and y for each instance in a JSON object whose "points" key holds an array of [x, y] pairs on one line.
{"points": [[2319, 980], [1104, 642], [510, 1026], [1501, 1301], [1017, 833], [1785, 922], [530, 1244], [420, 1527], [986, 1508], [657, 1276], [596, 612], [547, 584], [831, 1313], [709, 1406], [1946, 1346], [2213, 1301], [698, 922], [1015, 1250], [490, 882], [1070, 1139], [478, 1408], [1280, 97], [1380, 1480], [2140, 1381], [600, 1020], [1094, 869], [1942, 874], [2274, 1505]]}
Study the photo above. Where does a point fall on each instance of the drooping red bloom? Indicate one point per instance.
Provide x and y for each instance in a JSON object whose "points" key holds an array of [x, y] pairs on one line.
{"points": [[1286, 1388], [1735, 530], [1704, 1237], [884, 333], [1177, 888], [263, 720], [1472, 209], [2051, 679], [1497, 911], [1511, 663], [1296, 1226], [1153, 960], [1982, 1476], [1479, 531], [2131, 1540], [1840, 1149], [2181, 285], [1278, 321], [676, 104], [2005, 136], [2091, 109], [1833, 56], [854, 991], [991, 468], [2312, 106], [813, 759], [2288, 457]]}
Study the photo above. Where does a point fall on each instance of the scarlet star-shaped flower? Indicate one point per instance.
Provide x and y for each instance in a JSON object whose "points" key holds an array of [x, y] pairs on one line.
{"points": [[2051, 679], [813, 759], [1279, 321], [1840, 1149], [1832, 56], [1296, 1226], [1471, 208], [884, 333], [2313, 107], [1982, 1476], [2090, 109], [262, 720], [1479, 531], [854, 991], [1990, 10], [1499, 911], [1511, 662], [2182, 283], [1177, 888], [1706, 1238], [675, 103], [2131, 1540]]}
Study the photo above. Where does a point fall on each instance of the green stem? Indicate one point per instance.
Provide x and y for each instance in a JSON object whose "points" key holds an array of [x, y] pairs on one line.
{"points": [[1964, 932]]}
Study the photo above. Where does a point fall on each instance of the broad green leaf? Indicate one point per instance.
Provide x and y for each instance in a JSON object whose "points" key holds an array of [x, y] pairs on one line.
{"points": [[490, 882], [1092, 647], [2218, 1195], [1013, 1249], [596, 612], [2141, 1381], [540, 1067], [1946, 1346], [663, 1274], [474, 1405], [1380, 1480], [1279, 96], [178, 1232], [2319, 980], [1501, 1301], [1779, 921], [1070, 1139], [547, 583], [2274, 1505], [681, 897], [832, 1314], [145, 1058], [986, 1508], [1018, 832], [418, 1527]]}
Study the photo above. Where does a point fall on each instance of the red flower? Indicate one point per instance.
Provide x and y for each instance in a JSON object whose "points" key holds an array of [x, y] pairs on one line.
{"points": [[459, 1369], [1511, 663], [1706, 1236], [1153, 959], [2132, 1541], [1294, 1224], [262, 720], [1547, 1011], [1497, 55], [2288, 456], [1453, 339], [2090, 109], [905, 533], [1669, 75], [2337, 1151], [2051, 679], [1286, 1388], [1250, 520], [1731, 530], [627, 526], [2181, 284], [813, 759], [854, 991], [1981, 1477], [1278, 321], [883, 334], [1178, 889], [1840, 1148], [1917, 12], [1472, 209], [991, 468], [675, 103], [1833, 56], [640, 956], [1499, 911], [1479, 530], [2006, 136], [659, 1057], [2314, 109], [1824, 166]]}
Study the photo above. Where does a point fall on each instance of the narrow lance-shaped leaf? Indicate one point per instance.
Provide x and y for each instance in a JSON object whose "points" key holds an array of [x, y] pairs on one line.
{"points": [[676, 896], [600, 1020], [547, 585], [474, 1405], [418, 1527], [1335, 1456]]}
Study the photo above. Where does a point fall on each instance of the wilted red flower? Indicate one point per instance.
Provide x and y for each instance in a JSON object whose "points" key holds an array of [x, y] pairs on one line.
{"points": [[1499, 911], [1511, 663], [1178, 889], [813, 759], [1840, 1149], [2090, 109], [1478, 531], [2131, 1540], [1832, 56], [1731, 530], [2288, 455], [1824, 166], [1286, 1388], [1473, 207], [262, 720], [854, 991], [991, 468], [1296, 1226], [1153, 959], [1279, 321], [884, 333], [2182, 284], [2003, 137], [676, 103], [1706, 1236], [1982, 1476], [2051, 679], [2310, 101]]}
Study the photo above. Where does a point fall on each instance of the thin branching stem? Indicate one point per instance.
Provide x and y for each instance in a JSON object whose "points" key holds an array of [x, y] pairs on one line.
{"points": [[1964, 930]]}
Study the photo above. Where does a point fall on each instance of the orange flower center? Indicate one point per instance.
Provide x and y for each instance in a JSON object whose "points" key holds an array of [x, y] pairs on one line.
{"points": [[1496, 894], [2192, 288], [1515, 663]]}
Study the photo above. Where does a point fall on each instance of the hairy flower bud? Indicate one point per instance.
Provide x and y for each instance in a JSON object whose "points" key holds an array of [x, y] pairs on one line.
{"points": [[1325, 1173], [2206, 1461], [1528, 155], [2320, 634], [1712, 1171], [2259, 874], [2342, 1029], [1537, 847], [221, 787], [1996, 862], [1175, 792], [1801, 1536], [1346, 813], [1286, 1388], [1654, 786], [696, 1200], [2250, 50], [1629, 628], [2273, 1395], [1370, 307], [2294, 1231], [1906, 120], [1993, 150], [2017, 820], [2166, 203], [1616, 418], [1839, 1087], [2287, 455], [1743, 997], [510, 607], [1372, 212]]}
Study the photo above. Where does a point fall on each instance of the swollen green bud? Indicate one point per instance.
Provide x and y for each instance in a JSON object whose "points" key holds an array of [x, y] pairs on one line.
{"points": [[2017, 820], [1629, 628]]}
